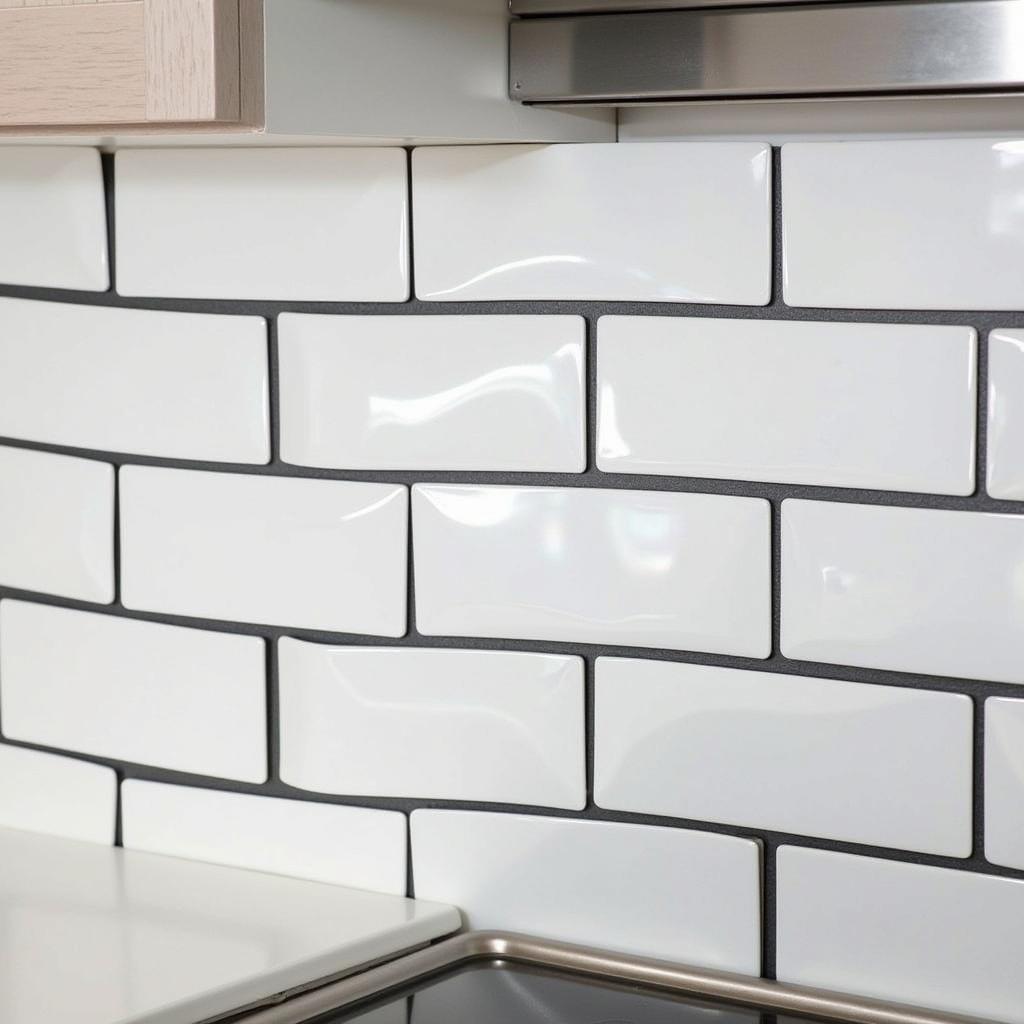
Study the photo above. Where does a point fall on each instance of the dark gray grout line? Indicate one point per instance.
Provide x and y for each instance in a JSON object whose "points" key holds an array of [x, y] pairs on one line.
{"points": [[775, 493]]}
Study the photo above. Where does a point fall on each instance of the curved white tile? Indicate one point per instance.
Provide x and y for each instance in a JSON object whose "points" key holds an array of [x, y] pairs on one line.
{"points": [[185, 699], [500, 726], [57, 524], [58, 796], [1006, 415], [908, 933], [787, 753], [320, 554], [1004, 782], [328, 223], [658, 223], [145, 381], [54, 218], [904, 224], [433, 392], [669, 893], [885, 406], [638, 568], [909, 589], [356, 846]]}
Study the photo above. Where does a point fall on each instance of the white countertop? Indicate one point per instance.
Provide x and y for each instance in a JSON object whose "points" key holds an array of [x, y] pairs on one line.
{"points": [[95, 935]]}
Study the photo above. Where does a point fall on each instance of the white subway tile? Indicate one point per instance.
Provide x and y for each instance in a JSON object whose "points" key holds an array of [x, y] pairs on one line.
{"points": [[57, 524], [909, 589], [690, 897], [911, 933], [433, 392], [887, 406], [352, 846], [908, 224], [639, 568], [184, 699], [658, 223], [320, 554], [1004, 781], [499, 726], [58, 796], [786, 753], [54, 218], [326, 223], [1006, 414], [174, 385]]}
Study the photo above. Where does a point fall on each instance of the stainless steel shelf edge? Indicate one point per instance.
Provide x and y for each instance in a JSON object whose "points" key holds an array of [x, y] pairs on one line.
{"points": [[470, 947], [797, 50]]}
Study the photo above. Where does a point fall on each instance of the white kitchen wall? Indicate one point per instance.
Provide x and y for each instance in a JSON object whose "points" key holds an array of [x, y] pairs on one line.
{"points": [[660, 557]]}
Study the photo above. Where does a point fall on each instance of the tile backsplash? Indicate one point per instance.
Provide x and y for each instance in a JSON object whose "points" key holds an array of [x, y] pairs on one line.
{"points": [[650, 579]]}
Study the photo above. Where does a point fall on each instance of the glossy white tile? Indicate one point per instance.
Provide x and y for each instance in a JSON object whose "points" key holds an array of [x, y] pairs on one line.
{"points": [[502, 726], [903, 224], [54, 218], [329, 223], [433, 392], [910, 933], [886, 406], [149, 382], [185, 699], [322, 554], [58, 796], [1006, 415], [690, 897], [909, 589], [639, 568], [96, 935], [57, 524], [354, 846], [785, 753], [1004, 781], [657, 223]]}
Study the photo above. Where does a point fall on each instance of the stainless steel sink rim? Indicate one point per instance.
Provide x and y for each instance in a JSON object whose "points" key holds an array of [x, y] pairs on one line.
{"points": [[658, 975]]}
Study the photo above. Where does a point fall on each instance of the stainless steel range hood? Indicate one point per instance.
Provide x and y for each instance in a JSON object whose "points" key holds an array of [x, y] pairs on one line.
{"points": [[616, 52]]}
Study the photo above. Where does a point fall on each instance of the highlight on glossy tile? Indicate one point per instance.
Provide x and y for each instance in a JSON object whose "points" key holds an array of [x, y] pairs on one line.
{"points": [[554, 219], [433, 392], [637, 568]]}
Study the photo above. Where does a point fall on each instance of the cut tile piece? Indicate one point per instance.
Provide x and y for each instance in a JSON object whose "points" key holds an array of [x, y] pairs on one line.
{"points": [[57, 525], [903, 224], [885, 406], [58, 796], [145, 381], [54, 218], [185, 699], [354, 846], [908, 589], [319, 554], [786, 753], [318, 224], [1004, 781], [689, 897], [909, 933], [1006, 415], [655, 223], [433, 392], [501, 726], [639, 568]]}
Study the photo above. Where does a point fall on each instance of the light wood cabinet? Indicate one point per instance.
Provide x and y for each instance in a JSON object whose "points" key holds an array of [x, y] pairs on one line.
{"points": [[117, 63], [267, 72]]}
